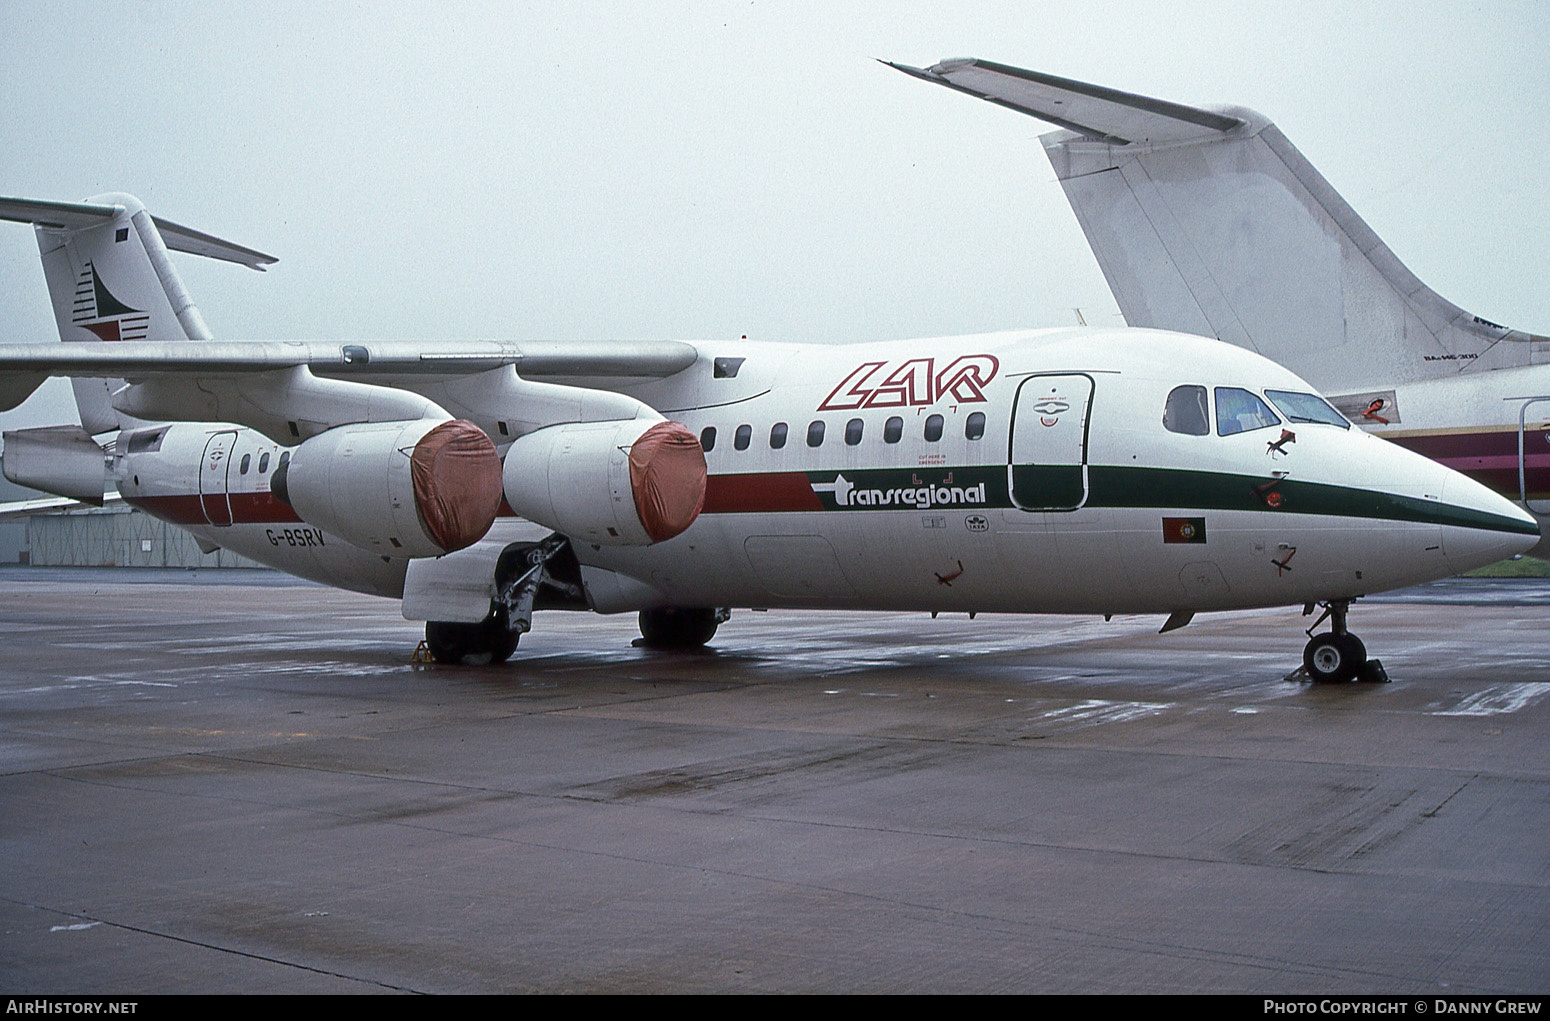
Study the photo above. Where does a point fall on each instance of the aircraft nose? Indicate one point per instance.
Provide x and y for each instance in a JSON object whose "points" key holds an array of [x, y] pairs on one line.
{"points": [[1480, 527]]}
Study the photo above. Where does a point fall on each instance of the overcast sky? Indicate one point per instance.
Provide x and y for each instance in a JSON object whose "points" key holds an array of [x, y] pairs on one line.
{"points": [[699, 170]]}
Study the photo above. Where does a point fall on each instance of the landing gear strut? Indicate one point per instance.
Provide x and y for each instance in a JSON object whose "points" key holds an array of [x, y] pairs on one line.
{"points": [[1337, 656], [671, 627]]}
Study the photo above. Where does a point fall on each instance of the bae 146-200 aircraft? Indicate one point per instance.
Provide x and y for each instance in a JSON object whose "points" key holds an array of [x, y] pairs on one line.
{"points": [[1208, 221], [1052, 471]]}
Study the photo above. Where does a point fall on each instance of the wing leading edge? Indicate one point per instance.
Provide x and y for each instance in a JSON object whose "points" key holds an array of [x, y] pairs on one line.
{"points": [[367, 358]]}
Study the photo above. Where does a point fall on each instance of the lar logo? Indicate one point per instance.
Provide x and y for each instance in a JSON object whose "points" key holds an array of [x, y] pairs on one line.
{"points": [[977, 523], [915, 383]]}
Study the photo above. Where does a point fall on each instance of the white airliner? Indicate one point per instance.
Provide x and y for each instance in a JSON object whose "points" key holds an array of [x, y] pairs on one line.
{"points": [[1062, 471], [1208, 221]]}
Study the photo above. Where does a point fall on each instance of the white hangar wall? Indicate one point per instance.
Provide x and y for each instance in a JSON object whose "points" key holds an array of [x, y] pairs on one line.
{"points": [[116, 537]]}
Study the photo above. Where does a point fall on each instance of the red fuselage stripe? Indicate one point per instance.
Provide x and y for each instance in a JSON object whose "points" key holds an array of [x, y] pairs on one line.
{"points": [[246, 509], [759, 492], [724, 494]]}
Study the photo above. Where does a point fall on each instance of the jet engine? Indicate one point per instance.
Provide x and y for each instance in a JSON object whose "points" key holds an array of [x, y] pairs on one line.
{"points": [[404, 489], [621, 483]]}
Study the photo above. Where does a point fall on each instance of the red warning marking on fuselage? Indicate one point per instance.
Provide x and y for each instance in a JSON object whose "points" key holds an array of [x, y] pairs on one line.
{"points": [[1267, 492], [950, 577]]}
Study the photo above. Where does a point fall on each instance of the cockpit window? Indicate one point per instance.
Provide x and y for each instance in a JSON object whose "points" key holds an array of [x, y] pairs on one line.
{"points": [[1239, 411], [1185, 411], [1306, 408]]}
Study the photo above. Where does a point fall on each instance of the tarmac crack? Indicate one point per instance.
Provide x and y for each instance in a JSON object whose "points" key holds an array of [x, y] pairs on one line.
{"points": [[250, 955]]}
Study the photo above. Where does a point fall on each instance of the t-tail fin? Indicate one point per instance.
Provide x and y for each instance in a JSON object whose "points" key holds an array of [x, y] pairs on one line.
{"points": [[110, 279], [1209, 221]]}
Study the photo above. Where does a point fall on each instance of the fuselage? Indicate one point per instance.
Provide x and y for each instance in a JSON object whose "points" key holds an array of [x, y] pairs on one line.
{"points": [[1046, 471]]}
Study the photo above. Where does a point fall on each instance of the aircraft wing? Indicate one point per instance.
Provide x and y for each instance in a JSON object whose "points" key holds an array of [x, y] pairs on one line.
{"points": [[1101, 114], [138, 352], [137, 360], [291, 389]]}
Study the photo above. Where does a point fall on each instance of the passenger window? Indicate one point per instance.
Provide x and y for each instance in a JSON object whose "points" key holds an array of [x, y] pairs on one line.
{"points": [[815, 434], [247, 461], [1185, 411], [1239, 411], [974, 428], [777, 435], [933, 428], [708, 438], [742, 437], [1299, 407], [893, 429], [285, 459], [853, 432], [263, 462]]}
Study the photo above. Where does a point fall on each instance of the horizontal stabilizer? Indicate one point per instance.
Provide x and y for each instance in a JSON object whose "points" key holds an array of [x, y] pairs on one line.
{"points": [[19, 509], [81, 215], [185, 239], [1098, 113], [55, 215], [59, 459]]}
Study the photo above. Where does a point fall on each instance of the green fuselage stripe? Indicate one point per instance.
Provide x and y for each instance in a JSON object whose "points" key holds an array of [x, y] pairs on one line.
{"points": [[1057, 487], [1176, 487]]}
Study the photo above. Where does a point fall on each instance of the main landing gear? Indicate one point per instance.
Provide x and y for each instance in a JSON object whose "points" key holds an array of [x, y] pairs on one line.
{"points": [[1338, 656], [672, 627], [492, 640], [527, 576]]}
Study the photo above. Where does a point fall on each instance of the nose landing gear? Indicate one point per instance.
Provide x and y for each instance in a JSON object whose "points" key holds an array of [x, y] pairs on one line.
{"points": [[1338, 656]]}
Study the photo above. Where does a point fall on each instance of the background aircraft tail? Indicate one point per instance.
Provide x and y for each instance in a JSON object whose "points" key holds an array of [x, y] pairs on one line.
{"points": [[110, 279], [1209, 221]]}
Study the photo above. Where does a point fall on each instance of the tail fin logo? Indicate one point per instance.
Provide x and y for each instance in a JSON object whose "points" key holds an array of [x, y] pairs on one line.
{"points": [[97, 310]]}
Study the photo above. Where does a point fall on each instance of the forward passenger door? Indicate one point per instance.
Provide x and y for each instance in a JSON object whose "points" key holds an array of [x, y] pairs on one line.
{"points": [[1047, 459]]}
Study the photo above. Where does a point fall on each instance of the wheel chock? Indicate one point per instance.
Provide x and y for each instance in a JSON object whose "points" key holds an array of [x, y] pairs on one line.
{"points": [[1372, 672]]}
